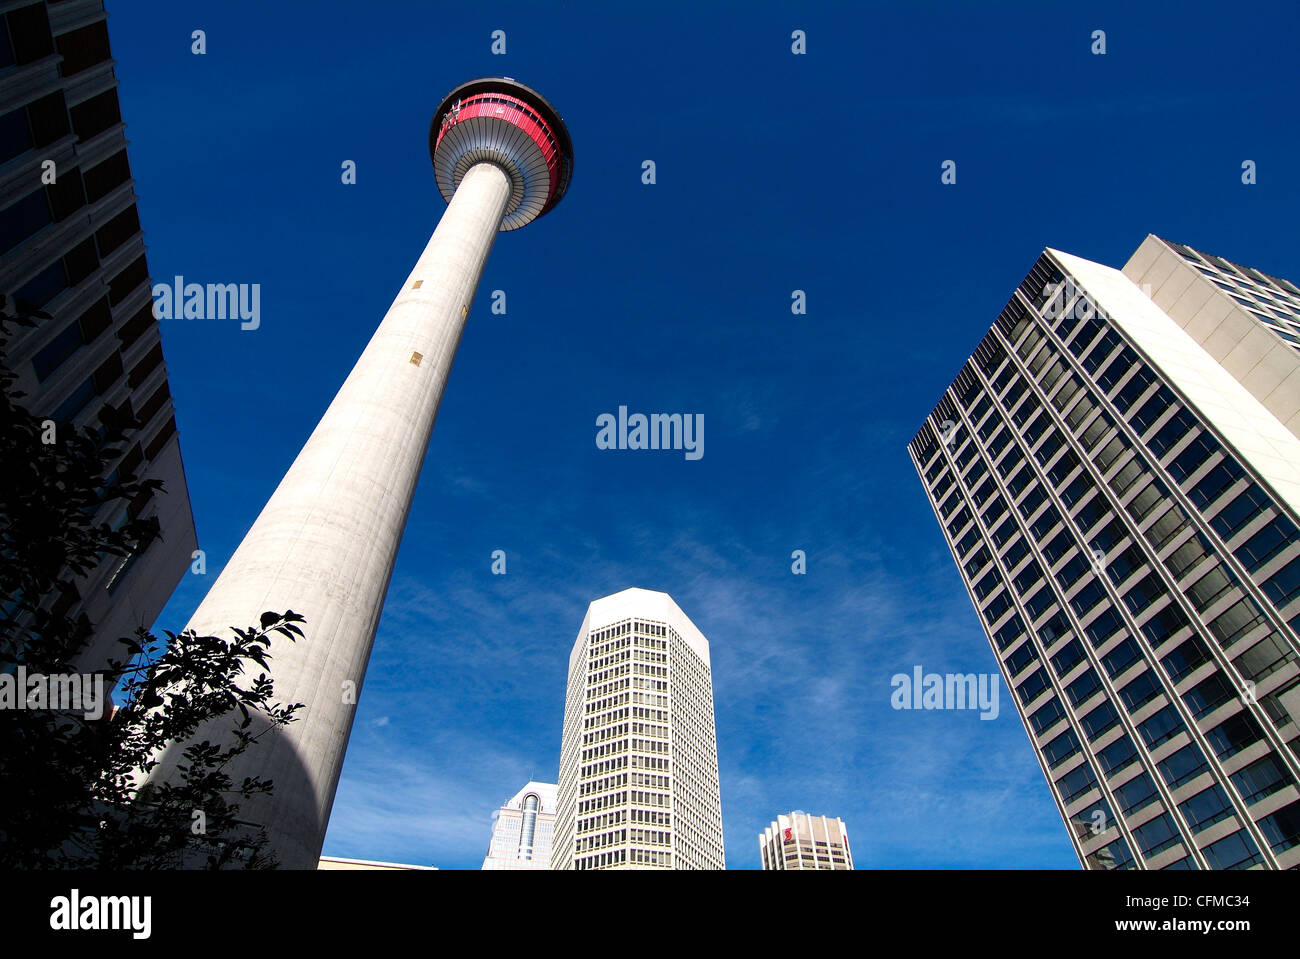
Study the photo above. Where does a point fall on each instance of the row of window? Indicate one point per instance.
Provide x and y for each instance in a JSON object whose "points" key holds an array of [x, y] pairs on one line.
{"points": [[1147, 411]]}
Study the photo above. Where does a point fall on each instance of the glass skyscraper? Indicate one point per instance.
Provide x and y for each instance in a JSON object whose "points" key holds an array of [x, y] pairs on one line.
{"points": [[1116, 470]]}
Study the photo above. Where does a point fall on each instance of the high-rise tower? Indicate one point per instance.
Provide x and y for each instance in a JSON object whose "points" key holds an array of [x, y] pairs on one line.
{"points": [[1117, 473], [639, 754], [325, 543], [522, 830], [802, 841]]}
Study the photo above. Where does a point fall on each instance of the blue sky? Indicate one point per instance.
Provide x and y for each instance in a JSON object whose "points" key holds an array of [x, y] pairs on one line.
{"points": [[775, 173]]}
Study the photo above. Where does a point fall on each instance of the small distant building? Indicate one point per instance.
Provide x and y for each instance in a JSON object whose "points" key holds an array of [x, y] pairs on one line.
{"points": [[335, 862], [522, 829], [801, 841]]}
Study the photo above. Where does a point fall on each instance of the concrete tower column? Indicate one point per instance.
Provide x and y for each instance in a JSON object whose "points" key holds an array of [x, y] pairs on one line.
{"points": [[325, 543]]}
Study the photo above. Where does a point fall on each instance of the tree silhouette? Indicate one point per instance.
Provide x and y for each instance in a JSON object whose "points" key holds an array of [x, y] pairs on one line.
{"points": [[75, 790]]}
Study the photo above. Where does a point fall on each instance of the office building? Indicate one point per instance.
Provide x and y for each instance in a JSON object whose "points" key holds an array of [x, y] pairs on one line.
{"points": [[71, 245], [523, 828], [638, 754], [802, 841], [1117, 474]]}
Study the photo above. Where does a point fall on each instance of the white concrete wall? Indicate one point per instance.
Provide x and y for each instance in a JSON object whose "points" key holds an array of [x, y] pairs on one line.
{"points": [[1240, 417], [1266, 366]]}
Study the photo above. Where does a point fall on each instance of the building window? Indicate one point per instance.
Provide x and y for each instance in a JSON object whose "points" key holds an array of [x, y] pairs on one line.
{"points": [[1237, 851], [1282, 828], [51, 356], [1117, 756], [1161, 727], [1156, 836], [1183, 766], [1138, 793], [1261, 779]]}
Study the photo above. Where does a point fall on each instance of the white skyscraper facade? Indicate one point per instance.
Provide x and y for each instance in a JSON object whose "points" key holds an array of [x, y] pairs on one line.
{"points": [[639, 759], [523, 830]]}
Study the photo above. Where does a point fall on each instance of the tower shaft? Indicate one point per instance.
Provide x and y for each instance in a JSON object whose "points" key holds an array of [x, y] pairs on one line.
{"points": [[325, 543]]}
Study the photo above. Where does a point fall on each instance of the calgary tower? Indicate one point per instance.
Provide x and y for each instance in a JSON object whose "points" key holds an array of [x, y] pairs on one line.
{"points": [[325, 543]]}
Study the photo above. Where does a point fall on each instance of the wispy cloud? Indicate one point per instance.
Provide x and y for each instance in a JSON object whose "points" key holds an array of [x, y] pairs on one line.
{"points": [[801, 672]]}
